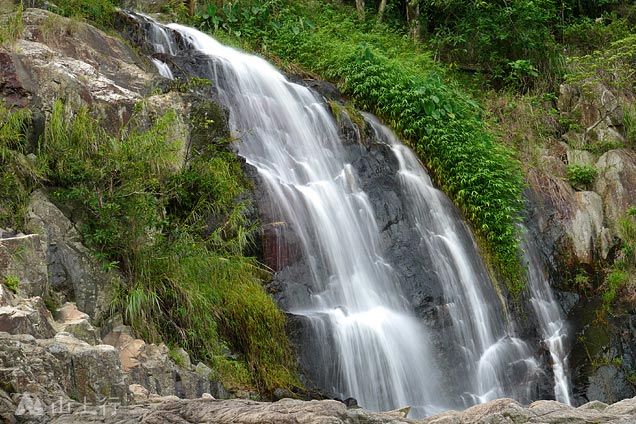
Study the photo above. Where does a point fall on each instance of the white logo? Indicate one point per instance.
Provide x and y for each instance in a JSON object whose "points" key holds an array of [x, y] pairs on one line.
{"points": [[30, 405]]}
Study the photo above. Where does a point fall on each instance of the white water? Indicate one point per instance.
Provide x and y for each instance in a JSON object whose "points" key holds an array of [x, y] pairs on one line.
{"points": [[553, 328], [381, 353], [488, 349], [163, 68]]}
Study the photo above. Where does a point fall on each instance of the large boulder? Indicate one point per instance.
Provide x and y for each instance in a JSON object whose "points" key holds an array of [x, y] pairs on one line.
{"points": [[77, 323], [26, 366], [73, 270], [590, 238], [151, 366], [616, 182]]}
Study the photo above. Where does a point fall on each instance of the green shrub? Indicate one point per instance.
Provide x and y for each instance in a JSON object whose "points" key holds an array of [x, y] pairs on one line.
{"points": [[614, 282], [490, 36], [629, 122], [622, 278], [613, 66], [585, 35], [581, 175], [12, 283], [99, 12]]}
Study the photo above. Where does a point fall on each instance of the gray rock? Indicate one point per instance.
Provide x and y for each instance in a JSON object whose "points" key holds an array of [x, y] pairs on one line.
{"points": [[82, 330], [181, 357], [579, 157], [285, 411], [6, 297], [73, 270], [594, 107], [608, 384], [89, 373], [24, 257], [59, 55], [625, 406], [616, 182], [151, 367], [25, 366], [595, 404], [29, 316], [586, 229], [159, 374]]}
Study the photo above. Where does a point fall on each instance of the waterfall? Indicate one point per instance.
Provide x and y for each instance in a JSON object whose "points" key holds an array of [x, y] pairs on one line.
{"points": [[367, 339], [552, 324]]}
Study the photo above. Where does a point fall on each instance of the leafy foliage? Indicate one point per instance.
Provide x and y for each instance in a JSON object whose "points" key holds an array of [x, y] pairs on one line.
{"points": [[12, 283], [581, 175], [614, 66], [495, 35], [100, 12], [178, 234]]}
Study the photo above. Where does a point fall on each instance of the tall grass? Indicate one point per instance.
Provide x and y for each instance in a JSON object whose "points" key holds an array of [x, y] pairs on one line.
{"points": [[18, 174], [188, 282]]}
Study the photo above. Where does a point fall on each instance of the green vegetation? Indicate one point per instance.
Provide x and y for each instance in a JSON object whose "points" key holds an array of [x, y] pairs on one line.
{"points": [[11, 282], [18, 174], [11, 23], [100, 12], [614, 65], [581, 175], [622, 277], [177, 233]]}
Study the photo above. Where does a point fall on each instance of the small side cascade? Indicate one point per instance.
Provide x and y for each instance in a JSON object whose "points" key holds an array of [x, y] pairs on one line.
{"points": [[552, 324], [163, 68]]}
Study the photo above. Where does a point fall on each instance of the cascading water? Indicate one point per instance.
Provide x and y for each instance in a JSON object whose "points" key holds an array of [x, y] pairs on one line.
{"points": [[480, 333], [163, 68], [372, 346], [552, 324]]}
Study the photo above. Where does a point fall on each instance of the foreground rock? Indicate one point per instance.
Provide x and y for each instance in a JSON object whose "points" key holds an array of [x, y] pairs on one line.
{"points": [[502, 411], [236, 411]]}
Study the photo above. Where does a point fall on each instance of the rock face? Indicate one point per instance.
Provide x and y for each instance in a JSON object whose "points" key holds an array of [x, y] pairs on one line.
{"points": [[590, 238], [22, 257], [100, 72], [616, 182], [544, 411], [28, 316], [73, 271]]}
